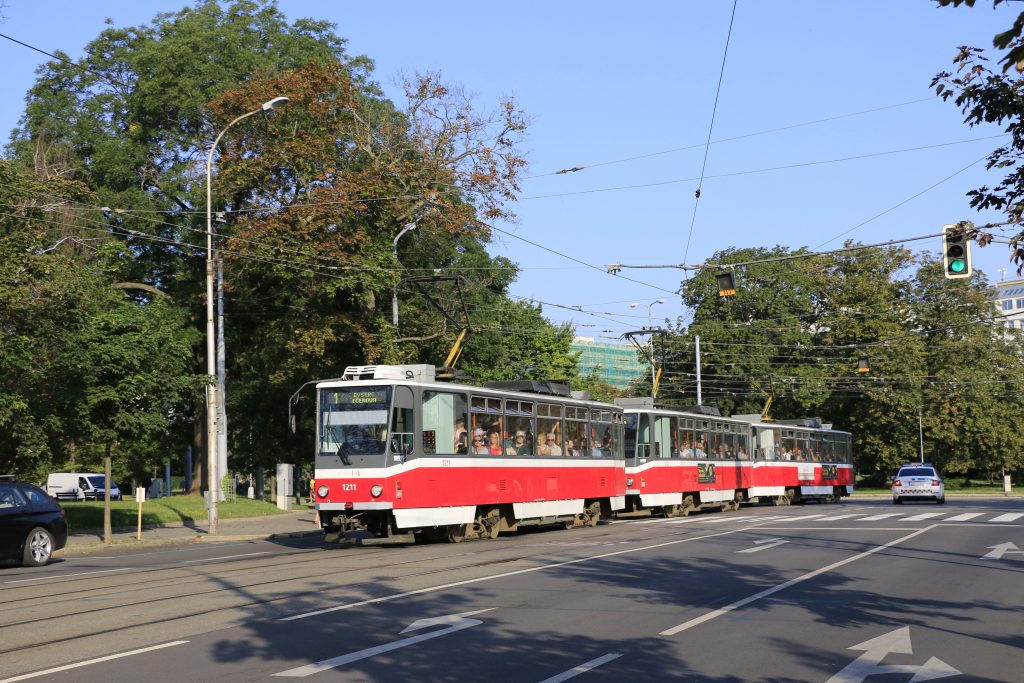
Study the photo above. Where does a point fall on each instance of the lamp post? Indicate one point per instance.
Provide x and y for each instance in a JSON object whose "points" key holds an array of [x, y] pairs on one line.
{"points": [[650, 325], [394, 290], [213, 397]]}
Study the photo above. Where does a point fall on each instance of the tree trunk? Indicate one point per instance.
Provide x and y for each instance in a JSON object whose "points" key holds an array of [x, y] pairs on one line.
{"points": [[198, 465]]}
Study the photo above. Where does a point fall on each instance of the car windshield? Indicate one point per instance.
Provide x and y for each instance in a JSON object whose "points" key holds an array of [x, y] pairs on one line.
{"points": [[917, 472], [97, 481], [354, 421]]}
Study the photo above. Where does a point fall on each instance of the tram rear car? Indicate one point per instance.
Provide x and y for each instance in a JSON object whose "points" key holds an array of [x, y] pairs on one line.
{"points": [[678, 461], [402, 456]]}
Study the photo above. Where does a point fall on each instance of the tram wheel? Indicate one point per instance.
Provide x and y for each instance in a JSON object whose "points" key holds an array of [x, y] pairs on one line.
{"points": [[489, 524], [782, 500], [593, 514], [669, 510], [456, 533]]}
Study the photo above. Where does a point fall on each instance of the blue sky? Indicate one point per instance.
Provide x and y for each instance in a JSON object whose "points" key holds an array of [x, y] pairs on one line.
{"points": [[605, 83]]}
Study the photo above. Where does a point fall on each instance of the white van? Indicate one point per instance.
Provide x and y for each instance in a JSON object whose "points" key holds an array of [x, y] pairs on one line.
{"points": [[79, 486]]}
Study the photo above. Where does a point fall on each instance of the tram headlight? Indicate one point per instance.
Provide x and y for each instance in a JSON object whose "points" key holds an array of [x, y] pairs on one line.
{"points": [[376, 490], [629, 481], [322, 491]]}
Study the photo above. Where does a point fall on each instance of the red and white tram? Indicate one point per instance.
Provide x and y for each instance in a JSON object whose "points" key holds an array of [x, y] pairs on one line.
{"points": [[683, 460], [401, 455]]}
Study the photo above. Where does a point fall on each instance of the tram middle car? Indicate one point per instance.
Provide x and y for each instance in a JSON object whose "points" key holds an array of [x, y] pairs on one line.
{"points": [[402, 455], [678, 461]]}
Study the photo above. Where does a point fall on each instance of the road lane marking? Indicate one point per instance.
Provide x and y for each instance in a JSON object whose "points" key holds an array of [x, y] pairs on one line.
{"points": [[833, 518], [782, 586], [1008, 517], [457, 622], [582, 668], [922, 516], [492, 577], [764, 545], [226, 557], [87, 662], [63, 576], [964, 517]]}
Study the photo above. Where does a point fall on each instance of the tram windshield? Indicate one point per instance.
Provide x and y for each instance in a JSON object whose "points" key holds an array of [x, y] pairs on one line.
{"points": [[354, 420]]}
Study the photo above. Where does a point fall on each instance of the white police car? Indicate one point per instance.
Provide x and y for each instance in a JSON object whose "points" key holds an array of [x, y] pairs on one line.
{"points": [[918, 481]]}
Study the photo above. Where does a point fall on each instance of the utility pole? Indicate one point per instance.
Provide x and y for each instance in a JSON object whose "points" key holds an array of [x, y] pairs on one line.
{"points": [[696, 344], [920, 432]]}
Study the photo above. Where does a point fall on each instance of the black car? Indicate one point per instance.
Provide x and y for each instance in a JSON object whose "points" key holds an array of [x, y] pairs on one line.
{"points": [[32, 525]]}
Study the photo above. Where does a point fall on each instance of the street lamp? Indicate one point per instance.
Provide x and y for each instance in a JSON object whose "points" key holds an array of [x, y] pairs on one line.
{"points": [[650, 324], [394, 290], [213, 397]]}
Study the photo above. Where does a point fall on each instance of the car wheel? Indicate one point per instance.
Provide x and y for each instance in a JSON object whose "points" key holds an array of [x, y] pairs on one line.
{"points": [[38, 548], [897, 501], [941, 501]]}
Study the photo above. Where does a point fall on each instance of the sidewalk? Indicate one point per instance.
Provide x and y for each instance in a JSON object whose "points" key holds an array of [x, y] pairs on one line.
{"points": [[288, 525]]}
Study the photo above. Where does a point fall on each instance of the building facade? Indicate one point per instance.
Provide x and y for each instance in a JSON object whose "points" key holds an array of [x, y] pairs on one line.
{"points": [[1010, 303], [616, 364]]}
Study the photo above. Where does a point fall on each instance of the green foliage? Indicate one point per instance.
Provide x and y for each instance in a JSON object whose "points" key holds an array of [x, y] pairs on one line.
{"points": [[794, 333]]}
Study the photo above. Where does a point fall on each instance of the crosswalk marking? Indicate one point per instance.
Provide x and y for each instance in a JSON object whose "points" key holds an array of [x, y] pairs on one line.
{"points": [[918, 518], [875, 518], [1008, 517], [964, 517], [835, 517]]}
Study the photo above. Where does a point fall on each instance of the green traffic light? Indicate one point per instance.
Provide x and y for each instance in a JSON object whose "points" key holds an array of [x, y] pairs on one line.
{"points": [[957, 265]]}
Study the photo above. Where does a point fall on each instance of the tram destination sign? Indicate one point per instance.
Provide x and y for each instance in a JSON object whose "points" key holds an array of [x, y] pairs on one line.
{"points": [[363, 398]]}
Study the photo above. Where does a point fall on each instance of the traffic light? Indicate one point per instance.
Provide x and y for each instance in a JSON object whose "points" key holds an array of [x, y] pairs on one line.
{"points": [[956, 252]]}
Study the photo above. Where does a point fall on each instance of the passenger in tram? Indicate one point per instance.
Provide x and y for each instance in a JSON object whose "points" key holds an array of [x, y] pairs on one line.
{"points": [[461, 447], [460, 433], [479, 447], [605, 449], [519, 445], [551, 446], [698, 449], [494, 443], [741, 453], [570, 448], [687, 451]]}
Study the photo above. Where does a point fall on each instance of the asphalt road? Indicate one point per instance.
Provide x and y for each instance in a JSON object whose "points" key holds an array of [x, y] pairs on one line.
{"points": [[863, 591]]}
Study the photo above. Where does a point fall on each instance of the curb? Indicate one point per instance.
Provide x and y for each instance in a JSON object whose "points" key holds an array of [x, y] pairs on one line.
{"points": [[131, 544]]}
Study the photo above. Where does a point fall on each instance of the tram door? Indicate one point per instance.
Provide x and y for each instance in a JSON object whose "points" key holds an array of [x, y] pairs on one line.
{"points": [[402, 429], [664, 436]]}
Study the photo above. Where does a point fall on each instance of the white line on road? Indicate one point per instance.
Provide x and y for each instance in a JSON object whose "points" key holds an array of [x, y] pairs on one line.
{"points": [[922, 516], [964, 517], [226, 557], [1008, 517], [782, 586], [492, 577], [833, 518], [92, 661], [582, 668], [875, 518], [64, 576]]}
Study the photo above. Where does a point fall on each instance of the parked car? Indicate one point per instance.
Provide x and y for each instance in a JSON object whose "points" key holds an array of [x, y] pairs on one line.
{"points": [[918, 481], [79, 486], [32, 524]]}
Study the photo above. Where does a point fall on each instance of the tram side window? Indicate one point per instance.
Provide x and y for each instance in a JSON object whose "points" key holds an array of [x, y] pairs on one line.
{"points": [[726, 442], [803, 448], [700, 439], [575, 443], [519, 439], [485, 428], [444, 423], [663, 442], [549, 429], [711, 445], [604, 439], [742, 449], [629, 434], [686, 437], [618, 436]]}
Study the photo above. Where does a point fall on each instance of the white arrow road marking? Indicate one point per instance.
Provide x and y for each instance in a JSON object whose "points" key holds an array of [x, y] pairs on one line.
{"points": [[1008, 517], [1002, 549], [455, 622], [764, 545], [964, 517], [923, 515], [875, 650], [714, 614], [582, 668]]}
